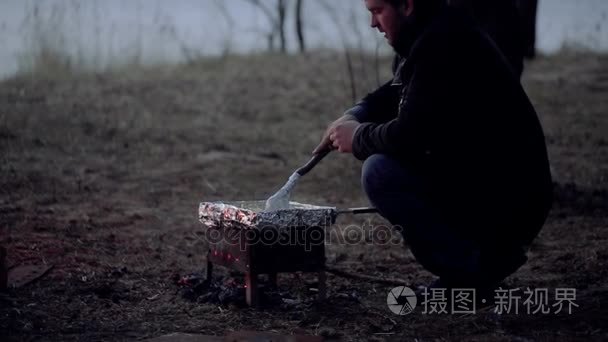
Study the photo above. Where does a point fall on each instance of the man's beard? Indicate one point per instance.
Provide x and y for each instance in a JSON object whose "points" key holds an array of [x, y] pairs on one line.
{"points": [[407, 35]]}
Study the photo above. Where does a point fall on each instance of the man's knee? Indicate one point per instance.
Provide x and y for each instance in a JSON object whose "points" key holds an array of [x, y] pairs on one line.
{"points": [[376, 174]]}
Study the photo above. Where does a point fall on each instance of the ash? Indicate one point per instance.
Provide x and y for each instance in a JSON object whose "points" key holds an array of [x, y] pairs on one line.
{"points": [[230, 290]]}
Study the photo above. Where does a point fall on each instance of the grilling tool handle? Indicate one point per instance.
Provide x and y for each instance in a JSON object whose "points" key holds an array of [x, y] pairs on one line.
{"points": [[363, 210], [313, 161]]}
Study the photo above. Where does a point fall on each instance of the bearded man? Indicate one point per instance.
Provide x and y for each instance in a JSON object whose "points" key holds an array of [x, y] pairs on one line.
{"points": [[453, 153]]}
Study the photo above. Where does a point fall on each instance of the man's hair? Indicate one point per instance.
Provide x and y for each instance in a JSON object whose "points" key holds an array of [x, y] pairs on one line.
{"points": [[395, 3], [423, 9]]}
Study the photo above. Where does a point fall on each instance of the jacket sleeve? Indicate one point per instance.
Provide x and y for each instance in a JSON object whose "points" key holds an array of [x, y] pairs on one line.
{"points": [[379, 106], [405, 136]]}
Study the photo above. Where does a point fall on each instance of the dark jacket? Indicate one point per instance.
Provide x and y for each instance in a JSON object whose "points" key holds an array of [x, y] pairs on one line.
{"points": [[456, 114]]}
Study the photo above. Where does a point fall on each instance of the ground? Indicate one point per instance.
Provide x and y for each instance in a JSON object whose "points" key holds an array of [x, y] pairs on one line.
{"points": [[101, 176]]}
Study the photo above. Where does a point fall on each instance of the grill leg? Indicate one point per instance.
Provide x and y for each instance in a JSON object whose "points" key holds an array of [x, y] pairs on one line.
{"points": [[209, 269], [322, 286], [251, 281]]}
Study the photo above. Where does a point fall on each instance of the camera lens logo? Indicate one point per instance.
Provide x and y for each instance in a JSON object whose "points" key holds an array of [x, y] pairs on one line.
{"points": [[401, 300]]}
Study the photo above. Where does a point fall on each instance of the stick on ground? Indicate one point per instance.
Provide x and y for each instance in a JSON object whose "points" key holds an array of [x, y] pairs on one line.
{"points": [[344, 274]]}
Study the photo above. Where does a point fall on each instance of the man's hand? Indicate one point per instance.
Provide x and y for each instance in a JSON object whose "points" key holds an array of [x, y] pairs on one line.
{"points": [[326, 141], [342, 136]]}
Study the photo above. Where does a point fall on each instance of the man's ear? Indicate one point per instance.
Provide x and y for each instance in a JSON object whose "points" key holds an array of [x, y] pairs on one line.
{"points": [[407, 7]]}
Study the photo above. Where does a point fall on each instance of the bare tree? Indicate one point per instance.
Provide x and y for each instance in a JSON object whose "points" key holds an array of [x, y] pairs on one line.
{"points": [[333, 14], [277, 21], [299, 26], [221, 5], [281, 7], [270, 16], [527, 11]]}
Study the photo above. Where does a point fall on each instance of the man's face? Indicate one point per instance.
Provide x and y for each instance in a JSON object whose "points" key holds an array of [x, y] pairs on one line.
{"points": [[388, 19]]}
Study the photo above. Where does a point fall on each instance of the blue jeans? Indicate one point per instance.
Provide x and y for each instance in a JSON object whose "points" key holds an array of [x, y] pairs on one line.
{"points": [[439, 245]]}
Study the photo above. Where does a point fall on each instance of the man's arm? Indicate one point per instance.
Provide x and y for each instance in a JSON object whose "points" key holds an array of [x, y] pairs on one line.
{"points": [[379, 106], [405, 136]]}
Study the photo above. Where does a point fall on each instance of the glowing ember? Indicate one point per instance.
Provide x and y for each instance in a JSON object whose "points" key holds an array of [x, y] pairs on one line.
{"points": [[249, 215], [213, 214]]}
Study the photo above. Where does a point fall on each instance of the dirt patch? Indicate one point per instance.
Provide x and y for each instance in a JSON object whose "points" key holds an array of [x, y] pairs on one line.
{"points": [[101, 176]]}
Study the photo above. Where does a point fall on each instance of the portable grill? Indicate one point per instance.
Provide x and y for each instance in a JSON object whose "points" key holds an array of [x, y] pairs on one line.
{"points": [[245, 237]]}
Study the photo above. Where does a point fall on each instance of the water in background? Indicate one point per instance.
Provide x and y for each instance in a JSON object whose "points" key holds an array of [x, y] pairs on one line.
{"points": [[101, 34]]}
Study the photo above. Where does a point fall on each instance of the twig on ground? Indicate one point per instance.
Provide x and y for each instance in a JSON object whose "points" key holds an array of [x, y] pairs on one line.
{"points": [[344, 274]]}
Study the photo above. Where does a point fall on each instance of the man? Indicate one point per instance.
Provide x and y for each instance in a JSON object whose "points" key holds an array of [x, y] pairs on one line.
{"points": [[453, 150]]}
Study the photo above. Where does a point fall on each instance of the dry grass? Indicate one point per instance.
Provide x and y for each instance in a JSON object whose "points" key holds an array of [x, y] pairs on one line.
{"points": [[101, 174]]}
